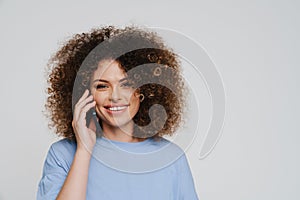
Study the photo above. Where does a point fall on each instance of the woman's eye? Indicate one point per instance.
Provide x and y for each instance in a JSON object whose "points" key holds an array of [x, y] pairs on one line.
{"points": [[101, 86], [127, 84]]}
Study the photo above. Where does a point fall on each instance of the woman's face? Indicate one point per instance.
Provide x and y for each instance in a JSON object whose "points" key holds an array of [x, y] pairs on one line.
{"points": [[116, 100]]}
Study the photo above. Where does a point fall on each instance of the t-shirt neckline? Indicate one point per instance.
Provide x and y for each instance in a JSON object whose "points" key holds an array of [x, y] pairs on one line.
{"points": [[127, 144]]}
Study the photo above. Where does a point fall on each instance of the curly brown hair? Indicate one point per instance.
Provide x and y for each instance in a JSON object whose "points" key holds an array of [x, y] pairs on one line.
{"points": [[159, 80]]}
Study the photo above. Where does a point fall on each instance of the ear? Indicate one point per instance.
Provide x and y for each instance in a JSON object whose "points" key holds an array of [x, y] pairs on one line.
{"points": [[137, 92]]}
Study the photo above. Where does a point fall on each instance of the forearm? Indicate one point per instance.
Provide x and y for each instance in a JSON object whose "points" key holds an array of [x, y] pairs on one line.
{"points": [[74, 187]]}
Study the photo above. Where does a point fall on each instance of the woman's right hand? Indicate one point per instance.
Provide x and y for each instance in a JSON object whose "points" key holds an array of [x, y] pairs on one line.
{"points": [[85, 137]]}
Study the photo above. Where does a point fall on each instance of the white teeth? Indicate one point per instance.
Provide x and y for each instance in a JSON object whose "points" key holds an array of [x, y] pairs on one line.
{"points": [[117, 108]]}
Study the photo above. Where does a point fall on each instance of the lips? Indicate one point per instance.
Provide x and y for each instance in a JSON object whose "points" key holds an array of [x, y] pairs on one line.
{"points": [[113, 109], [117, 108]]}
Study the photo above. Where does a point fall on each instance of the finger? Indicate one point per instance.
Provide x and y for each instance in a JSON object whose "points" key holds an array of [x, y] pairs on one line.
{"points": [[80, 105], [83, 97], [85, 94], [84, 110], [85, 101], [80, 122]]}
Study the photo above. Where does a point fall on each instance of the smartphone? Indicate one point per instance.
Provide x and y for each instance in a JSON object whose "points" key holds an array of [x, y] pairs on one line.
{"points": [[91, 115]]}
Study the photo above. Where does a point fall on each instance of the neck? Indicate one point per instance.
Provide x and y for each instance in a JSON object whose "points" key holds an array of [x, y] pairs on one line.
{"points": [[120, 134]]}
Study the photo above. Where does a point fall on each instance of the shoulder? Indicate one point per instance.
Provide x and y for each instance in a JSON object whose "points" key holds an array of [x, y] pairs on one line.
{"points": [[56, 167], [63, 145], [170, 152], [62, 151], [168, 145]]}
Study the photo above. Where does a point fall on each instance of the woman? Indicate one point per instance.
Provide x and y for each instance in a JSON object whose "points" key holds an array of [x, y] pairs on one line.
{"points": [[113, 94]]}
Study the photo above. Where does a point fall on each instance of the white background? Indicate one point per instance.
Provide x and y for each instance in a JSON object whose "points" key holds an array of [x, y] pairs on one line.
{"points": [[254, 44]]}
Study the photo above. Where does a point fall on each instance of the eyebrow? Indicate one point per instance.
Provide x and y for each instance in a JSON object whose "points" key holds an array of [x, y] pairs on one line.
{"points": [[102, 80]]}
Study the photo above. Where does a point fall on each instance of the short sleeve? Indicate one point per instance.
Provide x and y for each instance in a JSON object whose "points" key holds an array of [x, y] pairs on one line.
{"points": [[186, 183], [54, 175]]}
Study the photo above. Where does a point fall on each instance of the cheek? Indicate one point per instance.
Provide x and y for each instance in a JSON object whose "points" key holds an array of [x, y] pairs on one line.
{"points": [[99, 98], [134, 104]]}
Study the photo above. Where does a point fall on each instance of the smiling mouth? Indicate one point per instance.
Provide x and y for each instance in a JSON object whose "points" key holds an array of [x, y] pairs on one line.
{"points": [[115, 109]]}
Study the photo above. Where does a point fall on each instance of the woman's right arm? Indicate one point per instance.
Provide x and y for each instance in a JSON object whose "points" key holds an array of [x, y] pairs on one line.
{"points": [[75, 184]]}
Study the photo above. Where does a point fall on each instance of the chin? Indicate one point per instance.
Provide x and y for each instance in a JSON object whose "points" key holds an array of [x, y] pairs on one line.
{"points": [[117, 124]]}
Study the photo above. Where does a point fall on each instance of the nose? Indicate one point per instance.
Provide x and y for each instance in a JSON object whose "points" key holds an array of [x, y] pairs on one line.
{"points": [[115, 94]]}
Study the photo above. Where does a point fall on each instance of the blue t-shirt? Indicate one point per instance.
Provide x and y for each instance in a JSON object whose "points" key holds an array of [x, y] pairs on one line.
{"points": [[154, 170]]}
